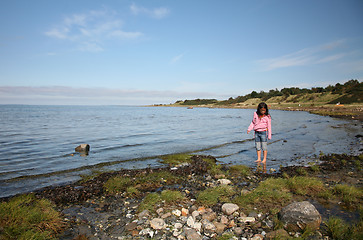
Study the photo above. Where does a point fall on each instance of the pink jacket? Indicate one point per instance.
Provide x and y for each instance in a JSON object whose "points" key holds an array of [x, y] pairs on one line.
{"points": [[260, 125]]}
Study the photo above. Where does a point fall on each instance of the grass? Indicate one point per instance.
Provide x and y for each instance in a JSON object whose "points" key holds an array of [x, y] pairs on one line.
{"points": [[351, 195], [25, 217], [140, 183], [212, 196], [301, 171], [227, 236], [117, 184], [176, 159], [239, 170], [340, 230], [277, 192], [153, 200]]}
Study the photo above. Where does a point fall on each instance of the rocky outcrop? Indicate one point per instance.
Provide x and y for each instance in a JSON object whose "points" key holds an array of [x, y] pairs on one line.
{"points": [[83, 148], [299, 215]]}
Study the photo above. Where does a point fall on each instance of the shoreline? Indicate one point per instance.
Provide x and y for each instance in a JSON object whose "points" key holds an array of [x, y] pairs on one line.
{"points": [[91, 198], [89, 211], [348, 112]]}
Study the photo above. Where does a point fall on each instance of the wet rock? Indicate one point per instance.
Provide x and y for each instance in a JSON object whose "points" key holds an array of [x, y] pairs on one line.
{"points": [[299, 215], [229, 208], [83, 148]]}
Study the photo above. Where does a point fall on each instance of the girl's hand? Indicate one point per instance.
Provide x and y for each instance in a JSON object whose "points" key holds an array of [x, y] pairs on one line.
{"points": [[248, 132]]}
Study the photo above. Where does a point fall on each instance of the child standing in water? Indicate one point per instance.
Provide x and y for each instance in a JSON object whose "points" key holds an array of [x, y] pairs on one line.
{"points": [[261, 123]]}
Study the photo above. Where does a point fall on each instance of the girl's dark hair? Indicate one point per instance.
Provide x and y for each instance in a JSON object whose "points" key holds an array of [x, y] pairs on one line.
{"points": [[262, 105]]}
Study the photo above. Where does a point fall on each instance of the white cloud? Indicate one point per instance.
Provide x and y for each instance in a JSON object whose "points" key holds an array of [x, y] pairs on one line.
{"points": [[176, 58], [307, 56], [91, 30], [157, 13]]}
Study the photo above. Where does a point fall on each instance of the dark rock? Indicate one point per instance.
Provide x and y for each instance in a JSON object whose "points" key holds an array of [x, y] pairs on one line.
{"points": [[299, 215], [83, 148]]}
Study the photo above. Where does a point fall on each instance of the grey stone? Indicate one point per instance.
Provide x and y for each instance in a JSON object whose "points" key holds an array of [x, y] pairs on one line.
{"points": [[299, 215], [229, 208], [157, 223]]}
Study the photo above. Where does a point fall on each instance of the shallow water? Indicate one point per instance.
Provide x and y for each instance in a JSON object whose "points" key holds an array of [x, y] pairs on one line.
{"points": [[37, 142]]}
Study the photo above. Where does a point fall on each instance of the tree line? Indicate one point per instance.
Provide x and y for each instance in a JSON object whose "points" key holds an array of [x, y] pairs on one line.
{"points": [[351, 91]]}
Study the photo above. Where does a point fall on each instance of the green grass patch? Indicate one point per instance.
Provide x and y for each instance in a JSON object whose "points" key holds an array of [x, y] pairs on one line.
{"points": [[150, 202], [306, 186], [340, 230], [176, 159], [350, 195], [117, 184], [25, 217], [277, 192], [227, 236], [170, 196], [132, 192], [301, 171], [153, 200], [240, 170], [212, 196], [140, 183]]}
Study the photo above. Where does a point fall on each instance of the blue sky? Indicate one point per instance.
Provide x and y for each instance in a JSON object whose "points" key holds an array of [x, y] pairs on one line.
{"points": [[146, 52]]}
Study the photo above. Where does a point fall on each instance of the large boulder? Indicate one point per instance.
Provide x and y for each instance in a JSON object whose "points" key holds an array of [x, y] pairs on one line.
{"points": [[299, 215]]}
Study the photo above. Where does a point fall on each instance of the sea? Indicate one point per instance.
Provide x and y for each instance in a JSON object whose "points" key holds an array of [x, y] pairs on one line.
{"points": [[37, 143]]}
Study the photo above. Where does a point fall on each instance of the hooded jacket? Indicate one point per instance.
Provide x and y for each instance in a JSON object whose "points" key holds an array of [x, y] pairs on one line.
{"points": [[261, 124]]}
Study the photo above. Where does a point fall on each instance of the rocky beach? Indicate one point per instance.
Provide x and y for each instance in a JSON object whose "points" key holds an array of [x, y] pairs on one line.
{"points": [[197, 197], [208, 202]]}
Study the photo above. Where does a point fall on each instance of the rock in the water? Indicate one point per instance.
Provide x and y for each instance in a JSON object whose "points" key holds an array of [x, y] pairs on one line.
{"points": [[83, 148], [229, 208], [299, 215]]}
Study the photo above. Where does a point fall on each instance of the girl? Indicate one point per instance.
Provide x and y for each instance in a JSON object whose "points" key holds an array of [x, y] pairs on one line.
{"points": [[261, 123]]}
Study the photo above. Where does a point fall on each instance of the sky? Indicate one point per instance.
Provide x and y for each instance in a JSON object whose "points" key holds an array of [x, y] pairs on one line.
{"points": [[120, 52]]}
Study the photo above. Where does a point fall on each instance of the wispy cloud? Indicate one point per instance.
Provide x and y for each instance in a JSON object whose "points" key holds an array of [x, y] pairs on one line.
{"points": [[177, 58], [157, 13], [90, 30], [307, 56]]}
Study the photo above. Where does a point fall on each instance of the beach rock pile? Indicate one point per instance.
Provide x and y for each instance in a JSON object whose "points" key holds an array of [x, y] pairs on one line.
{"points": [[191, 222], [116, 217]]}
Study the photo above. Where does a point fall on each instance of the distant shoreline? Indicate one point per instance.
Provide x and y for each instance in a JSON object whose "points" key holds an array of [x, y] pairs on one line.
{"points": [[346, 111]]}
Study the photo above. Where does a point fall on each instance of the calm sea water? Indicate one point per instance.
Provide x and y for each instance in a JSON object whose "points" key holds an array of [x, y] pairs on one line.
{"points": [[37, 142]]}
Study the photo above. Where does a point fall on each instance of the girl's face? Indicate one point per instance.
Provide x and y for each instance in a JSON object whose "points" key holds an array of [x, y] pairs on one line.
{"points": [[263, 111]]}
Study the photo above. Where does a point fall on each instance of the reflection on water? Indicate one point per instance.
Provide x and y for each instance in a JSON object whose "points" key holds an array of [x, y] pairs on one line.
{"points": [[38, 142]]}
